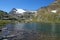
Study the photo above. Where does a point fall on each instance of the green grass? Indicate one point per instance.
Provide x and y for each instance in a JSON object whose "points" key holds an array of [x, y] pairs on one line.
{"points": [[2, 22]]}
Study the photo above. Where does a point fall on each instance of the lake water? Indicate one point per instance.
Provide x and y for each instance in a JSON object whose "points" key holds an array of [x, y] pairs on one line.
{"points": [[31, 31]]}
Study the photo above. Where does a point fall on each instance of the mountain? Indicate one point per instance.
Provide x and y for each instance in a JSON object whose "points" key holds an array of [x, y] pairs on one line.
{"points": [[22, 14], [55, 6], [17, 11], [3, 14], [50, 13]]}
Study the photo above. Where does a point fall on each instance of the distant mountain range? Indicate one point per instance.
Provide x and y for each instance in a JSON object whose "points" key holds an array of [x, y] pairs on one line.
{"points": [[19, 11], [47, 13]]}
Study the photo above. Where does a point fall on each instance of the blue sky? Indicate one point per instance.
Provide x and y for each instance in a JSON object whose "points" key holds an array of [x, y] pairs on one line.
{"points": [[7, 5]]}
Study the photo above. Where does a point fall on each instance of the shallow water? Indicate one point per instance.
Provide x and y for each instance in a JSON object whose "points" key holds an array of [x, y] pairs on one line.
{"points": [[31, 31]]}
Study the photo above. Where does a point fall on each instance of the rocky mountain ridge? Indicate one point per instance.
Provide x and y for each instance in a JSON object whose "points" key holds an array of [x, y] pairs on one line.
{"points": [[50, 13]]}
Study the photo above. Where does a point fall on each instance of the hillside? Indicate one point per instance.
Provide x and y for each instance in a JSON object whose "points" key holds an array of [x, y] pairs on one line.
{"points": [[50, 13], [3, 16]]}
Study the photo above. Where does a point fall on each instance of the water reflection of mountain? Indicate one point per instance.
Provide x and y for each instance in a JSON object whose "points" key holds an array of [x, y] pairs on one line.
{"points": [[31, 31]]}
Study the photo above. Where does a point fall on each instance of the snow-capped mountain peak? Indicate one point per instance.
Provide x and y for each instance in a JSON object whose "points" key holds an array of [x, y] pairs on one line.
{"points": [[20, 11], [17, 11]]}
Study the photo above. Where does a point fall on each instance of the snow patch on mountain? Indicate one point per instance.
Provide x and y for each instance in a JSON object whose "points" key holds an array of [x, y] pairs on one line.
{"points": [[20, 11], [54, 11]]}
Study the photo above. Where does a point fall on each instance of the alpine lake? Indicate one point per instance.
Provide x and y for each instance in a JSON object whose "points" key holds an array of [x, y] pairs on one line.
{"points": [[30, 31]]}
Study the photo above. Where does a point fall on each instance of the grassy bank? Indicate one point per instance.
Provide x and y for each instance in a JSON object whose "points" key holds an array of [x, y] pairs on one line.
{"points": [[2, 22]]}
